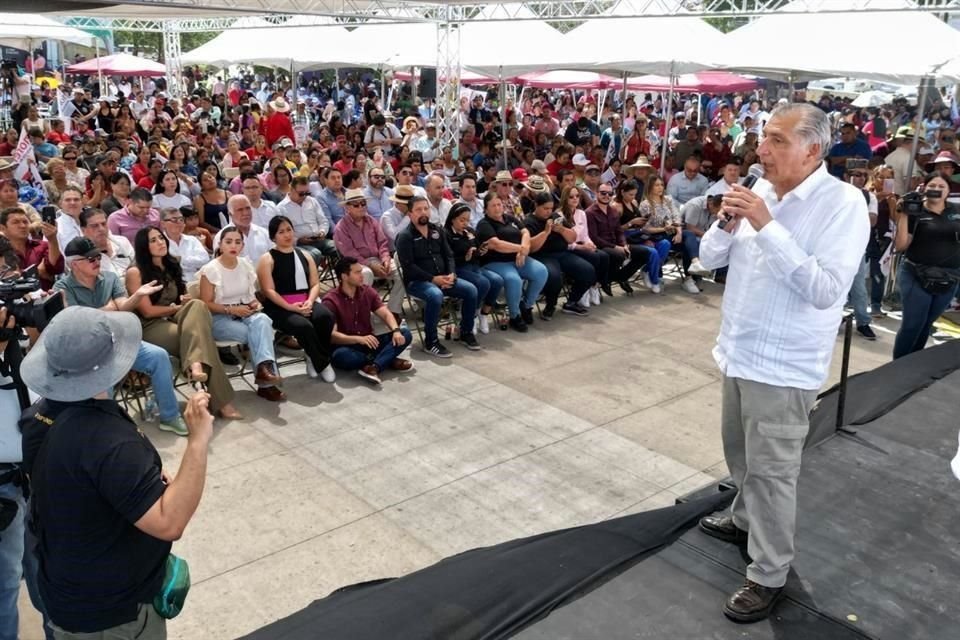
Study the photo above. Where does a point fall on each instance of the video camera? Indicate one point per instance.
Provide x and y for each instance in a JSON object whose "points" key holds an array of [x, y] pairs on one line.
{"points": [[27, 312]]}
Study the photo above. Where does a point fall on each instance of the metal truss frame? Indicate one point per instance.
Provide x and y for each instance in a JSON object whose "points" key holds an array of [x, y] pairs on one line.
{"points": [[447, 103], [435, 11], [171, 57]]}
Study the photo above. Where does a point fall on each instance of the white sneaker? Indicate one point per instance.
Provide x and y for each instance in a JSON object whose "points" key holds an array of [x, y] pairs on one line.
{"points": [[311, 370], [328, 374], [697, 269], [656, 288], [646, 281], [483, 323], [585, 299], [595, 296], [690, 286]]}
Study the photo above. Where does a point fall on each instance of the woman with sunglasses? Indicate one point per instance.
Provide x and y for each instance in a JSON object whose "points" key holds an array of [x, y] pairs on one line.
{"points": [[183, 327]]}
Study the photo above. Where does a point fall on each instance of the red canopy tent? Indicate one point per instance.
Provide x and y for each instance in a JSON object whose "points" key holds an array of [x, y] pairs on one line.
{"points": [[568, 80], [119, 64], [701, 82]]}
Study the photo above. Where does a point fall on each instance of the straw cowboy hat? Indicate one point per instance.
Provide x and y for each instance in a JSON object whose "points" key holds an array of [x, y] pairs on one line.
{"points": [[537, 184], [403, 194], [641, 163], [280, 105]]}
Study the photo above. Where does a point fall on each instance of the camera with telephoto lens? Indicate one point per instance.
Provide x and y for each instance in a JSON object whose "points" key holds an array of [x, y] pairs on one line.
{"points": [[26, 311]]}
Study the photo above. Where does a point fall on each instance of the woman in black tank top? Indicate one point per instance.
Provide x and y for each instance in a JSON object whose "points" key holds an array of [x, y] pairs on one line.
{"points": [[290, 286]]}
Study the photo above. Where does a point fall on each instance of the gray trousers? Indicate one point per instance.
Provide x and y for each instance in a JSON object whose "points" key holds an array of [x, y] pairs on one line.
{"points": [[763, 432], [148, 626]]}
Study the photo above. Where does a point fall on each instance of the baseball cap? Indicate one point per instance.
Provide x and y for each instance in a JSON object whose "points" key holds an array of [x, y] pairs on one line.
{"points": [[520, 175], [81, 247], [580, 160]]}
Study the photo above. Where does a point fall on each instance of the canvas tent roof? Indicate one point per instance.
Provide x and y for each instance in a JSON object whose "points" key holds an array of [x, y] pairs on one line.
{"points": [[20, 29]]}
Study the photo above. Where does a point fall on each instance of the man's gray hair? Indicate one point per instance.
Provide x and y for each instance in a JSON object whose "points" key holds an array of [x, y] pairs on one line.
{"points": [[813, 125]]}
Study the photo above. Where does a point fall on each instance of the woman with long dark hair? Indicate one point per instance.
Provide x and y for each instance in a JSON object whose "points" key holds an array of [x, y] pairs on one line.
{"points": [[467, 255], [584, 247], [171, 320], [290, 285], [166, 193]]}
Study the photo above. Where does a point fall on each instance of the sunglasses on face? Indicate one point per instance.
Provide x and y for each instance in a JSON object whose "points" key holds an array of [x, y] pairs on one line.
{"points": [[69, 158], [604, 193], [357, 205]]}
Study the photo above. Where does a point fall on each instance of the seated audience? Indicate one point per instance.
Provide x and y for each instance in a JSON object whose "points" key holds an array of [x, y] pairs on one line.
{"points": [[228, 286], [550, 236], [507, 254], [310, 224], [356, 346], [190, 251], [256, 240], [466, 255], [182, 326], [290, 286], [43, 254], [575, 218], [138, 214], [429, 273], [85, 286]]}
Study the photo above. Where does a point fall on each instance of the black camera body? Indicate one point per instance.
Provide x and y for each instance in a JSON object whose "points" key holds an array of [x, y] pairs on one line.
{"points": [[912, 203], [27, 313]]}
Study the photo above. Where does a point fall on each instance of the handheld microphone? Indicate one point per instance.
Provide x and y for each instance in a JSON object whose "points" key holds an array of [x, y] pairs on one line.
{"points": [[753, 174]]}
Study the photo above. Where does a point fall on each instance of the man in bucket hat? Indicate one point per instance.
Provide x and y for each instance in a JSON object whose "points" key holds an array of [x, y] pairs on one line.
{"points": [[103, 509]]}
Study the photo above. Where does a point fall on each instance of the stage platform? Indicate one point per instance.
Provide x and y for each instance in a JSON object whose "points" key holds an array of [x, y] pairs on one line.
{"points": [[878, 548]]}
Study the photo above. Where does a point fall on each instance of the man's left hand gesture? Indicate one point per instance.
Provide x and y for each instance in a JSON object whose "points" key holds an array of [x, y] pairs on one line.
{"points": [[743, 202]]}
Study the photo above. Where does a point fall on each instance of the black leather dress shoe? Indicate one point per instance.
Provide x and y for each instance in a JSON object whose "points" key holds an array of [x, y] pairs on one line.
{"points": [[751, 602], [722, 528]]}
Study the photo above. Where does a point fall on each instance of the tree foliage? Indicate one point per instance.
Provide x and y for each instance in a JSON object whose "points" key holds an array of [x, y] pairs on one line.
{"points": [[148, 43]]}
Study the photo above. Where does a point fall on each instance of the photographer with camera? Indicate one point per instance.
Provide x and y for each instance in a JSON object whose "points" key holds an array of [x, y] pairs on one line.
{"points": [[928, 236], [102, 507], [44, 254]]}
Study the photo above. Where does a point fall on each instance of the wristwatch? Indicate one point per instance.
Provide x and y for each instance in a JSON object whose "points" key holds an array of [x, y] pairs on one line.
{"points": [[396, 330]]}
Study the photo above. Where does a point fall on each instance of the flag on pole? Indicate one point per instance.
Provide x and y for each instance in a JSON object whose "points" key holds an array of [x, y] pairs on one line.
{"points": [[26, 161]]}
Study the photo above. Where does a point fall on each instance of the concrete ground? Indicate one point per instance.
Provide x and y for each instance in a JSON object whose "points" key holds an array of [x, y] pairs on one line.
{"points": [[579, 420]]}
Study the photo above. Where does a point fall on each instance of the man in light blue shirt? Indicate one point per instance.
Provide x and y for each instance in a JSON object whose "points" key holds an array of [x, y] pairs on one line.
{"points": [[688, 184], [378, 196], [331, 196]]}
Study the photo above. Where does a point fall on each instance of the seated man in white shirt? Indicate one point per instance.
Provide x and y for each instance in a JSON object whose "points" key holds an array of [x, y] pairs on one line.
{"points": [[189, 249], [116, 251], [256, 239], [68, 222], [310, 224], [395, 219], [729, 177], [263, 210]]}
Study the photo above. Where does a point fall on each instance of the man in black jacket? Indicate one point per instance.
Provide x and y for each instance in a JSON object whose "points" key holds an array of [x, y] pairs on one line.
{"points": [[428, 273]]}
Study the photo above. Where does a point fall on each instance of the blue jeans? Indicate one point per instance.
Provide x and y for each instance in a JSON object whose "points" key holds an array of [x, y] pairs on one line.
{"points": [[432, 297], [532, 271], [655, 256], [487, 282], [155, 362], [566, 263], [877, 284], [352, 357], [691, 250], [920, 310], [255, 331], [857, 298], [14, 564]]}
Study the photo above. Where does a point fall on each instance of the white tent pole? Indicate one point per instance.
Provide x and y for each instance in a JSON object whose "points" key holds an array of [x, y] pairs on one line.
{"points": [[916, 128], [623, 100], [503, 117], [99, 74], [699, 106], [383, 90], [603, 98], [666, 129]]}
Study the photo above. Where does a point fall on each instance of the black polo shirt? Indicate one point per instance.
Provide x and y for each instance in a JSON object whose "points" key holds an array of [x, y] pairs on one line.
{"points": [[554, 242], [936, 238], [93, 474], [508, 231]]}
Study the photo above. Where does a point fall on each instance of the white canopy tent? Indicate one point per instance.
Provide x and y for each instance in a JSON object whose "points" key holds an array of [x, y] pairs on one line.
{"points": [[509, 48], [21, 30], [232, 45], [779, 46], [396, 46]]}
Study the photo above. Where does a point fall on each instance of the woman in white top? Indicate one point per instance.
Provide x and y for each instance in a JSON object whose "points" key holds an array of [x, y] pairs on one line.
{"points": [[166, 193], [228, 286], [585, 248]]}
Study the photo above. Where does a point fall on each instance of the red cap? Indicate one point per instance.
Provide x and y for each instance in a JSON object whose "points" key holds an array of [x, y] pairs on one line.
{"points": [[520, 175]]}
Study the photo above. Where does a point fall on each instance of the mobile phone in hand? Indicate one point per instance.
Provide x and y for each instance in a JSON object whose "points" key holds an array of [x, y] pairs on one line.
{"points": [[49, 214]]}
